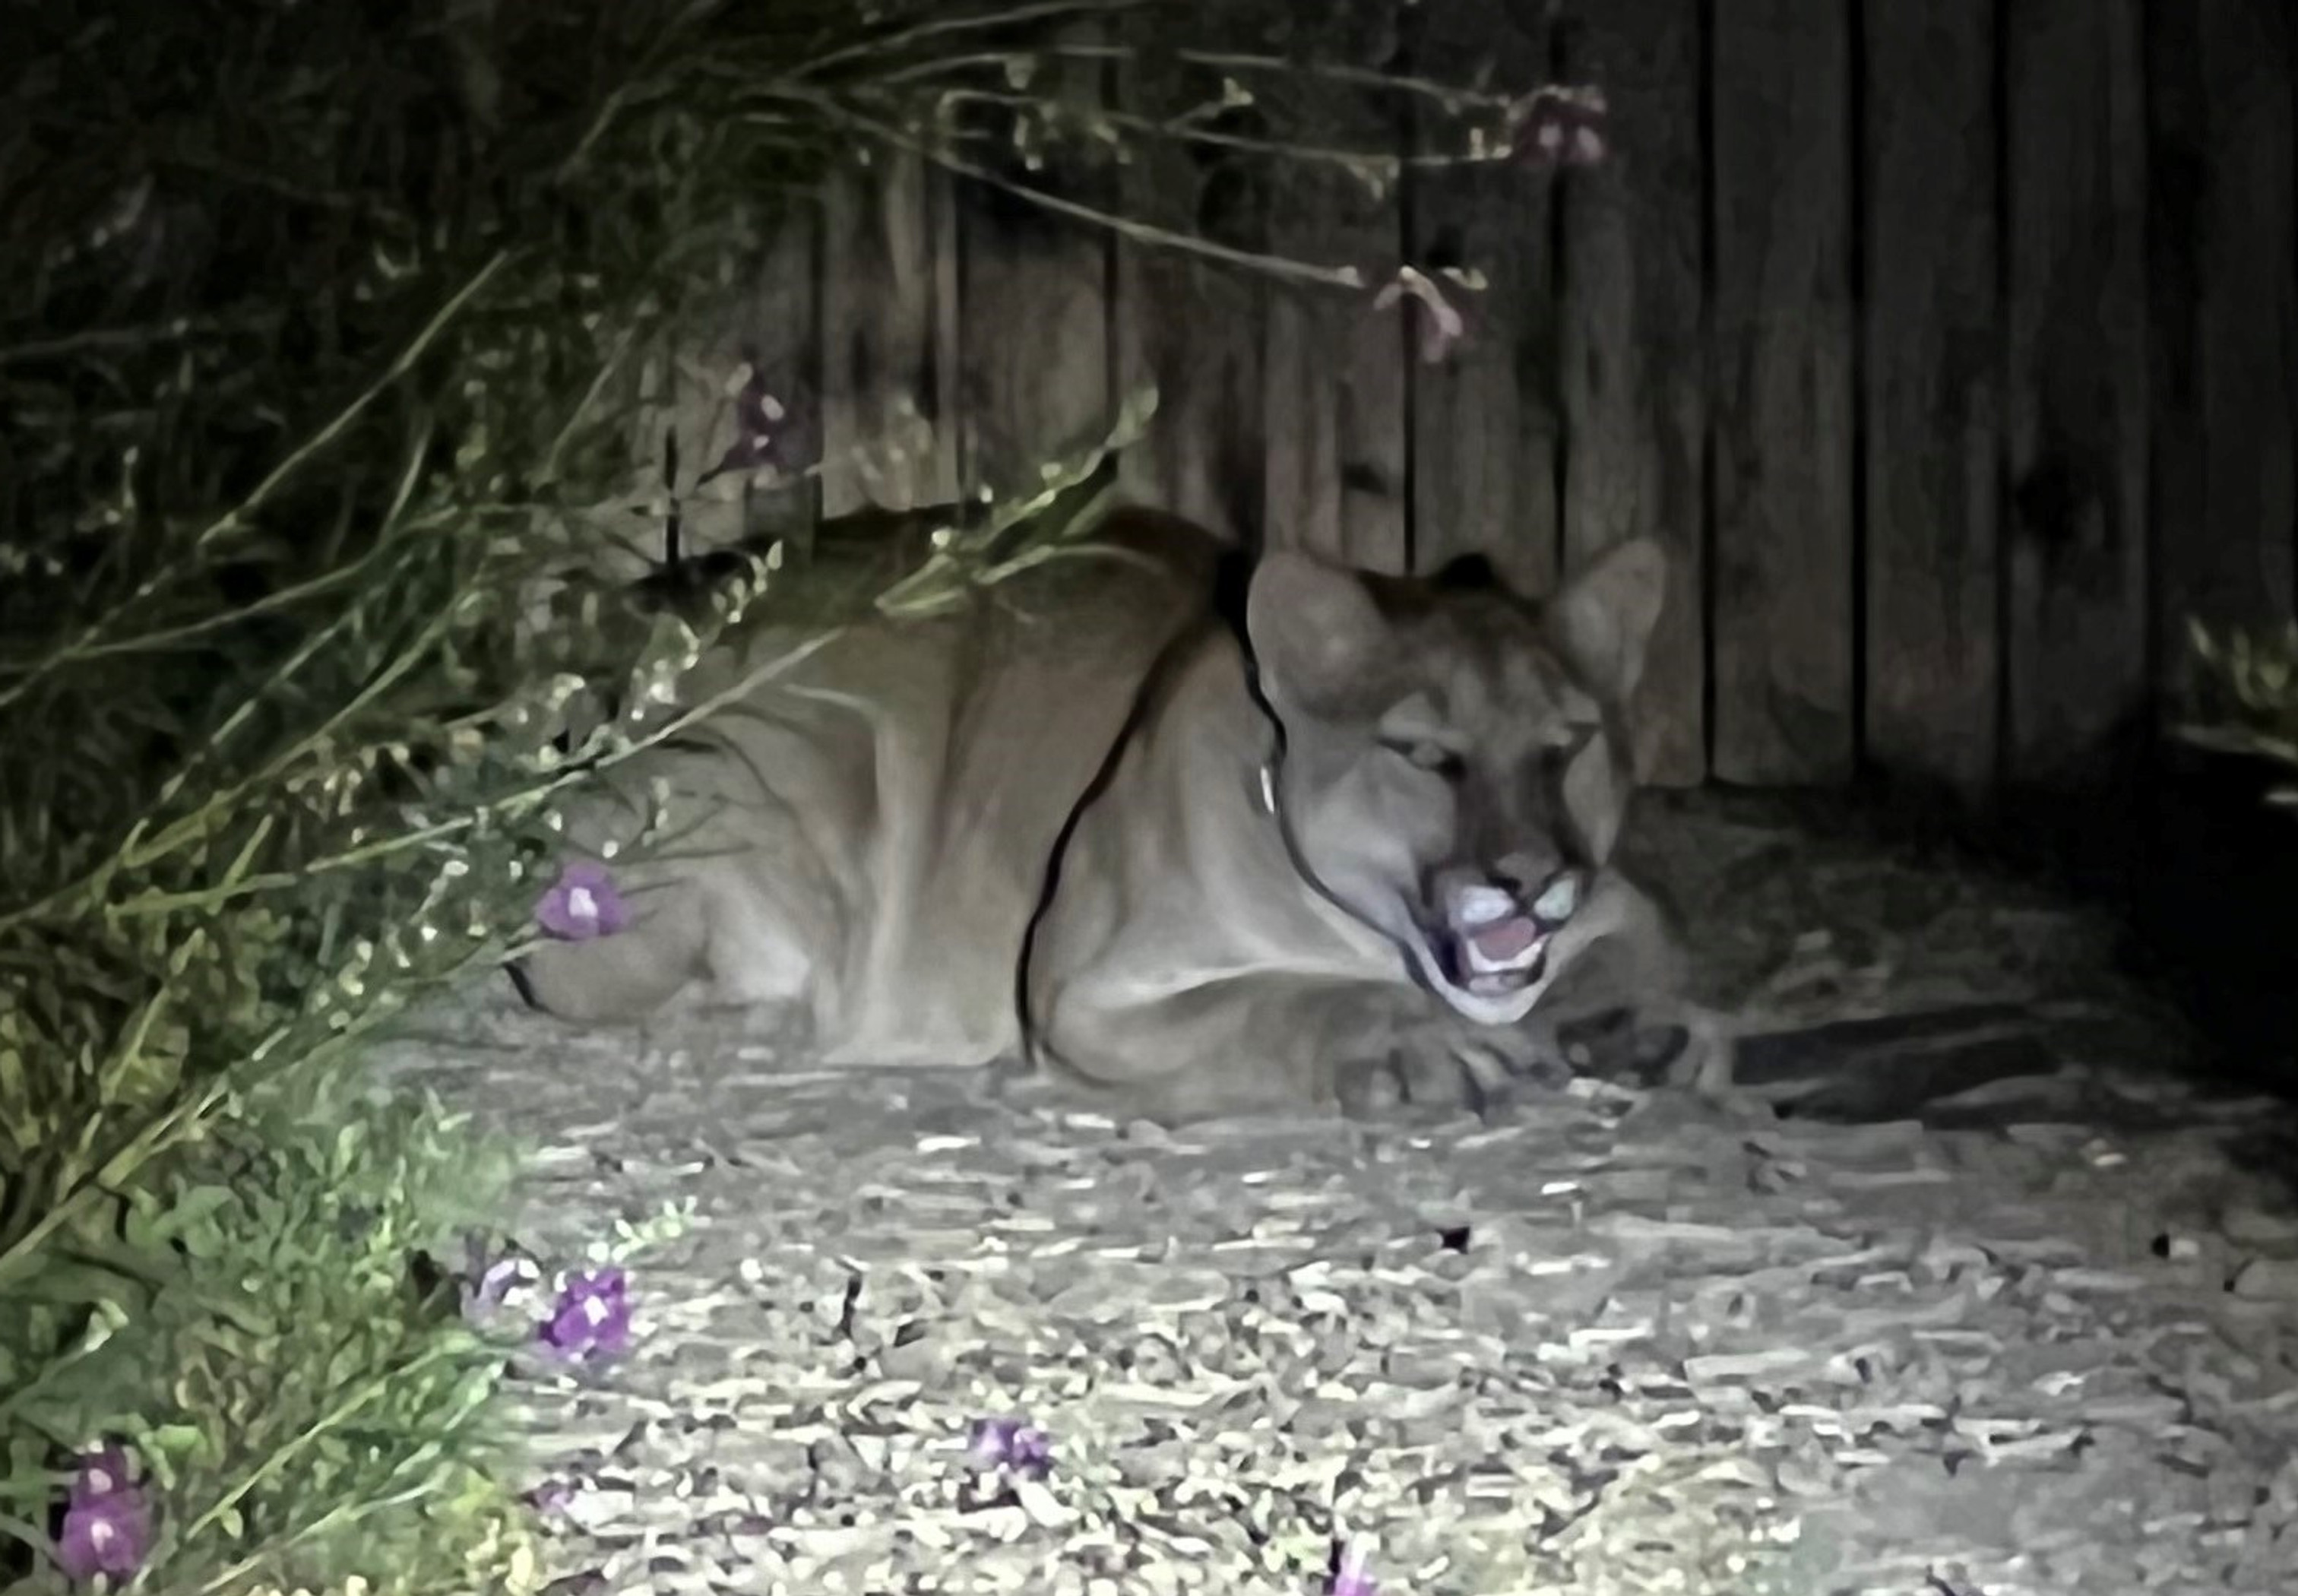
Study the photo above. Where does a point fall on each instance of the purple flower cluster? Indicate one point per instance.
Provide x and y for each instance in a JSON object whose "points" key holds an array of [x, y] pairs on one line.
{"points": [[107, 1519], [767, 437], [582, 903], [1562, 126], [1012, 1444], [1352, 1571], [593, 1316], [588, 1315]]}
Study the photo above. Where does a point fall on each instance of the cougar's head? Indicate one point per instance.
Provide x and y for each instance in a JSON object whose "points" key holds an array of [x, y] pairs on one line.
{"points": [[1455, 768]]}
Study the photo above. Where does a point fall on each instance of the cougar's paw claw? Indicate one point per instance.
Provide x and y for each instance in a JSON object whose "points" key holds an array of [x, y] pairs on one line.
{"points": [[1369, 1088], [1442, 1080], [1531, 1055]]}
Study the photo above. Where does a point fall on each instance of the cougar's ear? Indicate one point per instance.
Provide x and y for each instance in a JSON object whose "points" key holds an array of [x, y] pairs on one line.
{"points": [[1601, 620], [1315, 630]]}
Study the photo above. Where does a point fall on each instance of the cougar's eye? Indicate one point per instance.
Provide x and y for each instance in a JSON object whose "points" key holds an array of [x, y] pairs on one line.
{"points": [[1558, 900], [1425, 755], [1557, 757]]}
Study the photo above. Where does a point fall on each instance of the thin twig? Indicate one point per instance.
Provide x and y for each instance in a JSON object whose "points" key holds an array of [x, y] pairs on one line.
{"points": [[179, 330], [1183, 132], [941, 27], [1139, 232], [1453, 96]]}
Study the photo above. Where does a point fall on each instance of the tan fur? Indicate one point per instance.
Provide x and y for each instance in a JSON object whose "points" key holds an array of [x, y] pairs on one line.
{"points": [[885, 822]]}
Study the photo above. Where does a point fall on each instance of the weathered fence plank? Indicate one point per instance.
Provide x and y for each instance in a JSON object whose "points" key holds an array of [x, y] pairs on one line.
{"points": [[1034, 364], [1190, 329], [1483, 419], [746, 345], [2078, 390], [1335, 367], [1033, 361], [2223, 278], [1933, 390], [1633, 366], [782, 360], [1784, 417], [889, 337], [2178, 166]]}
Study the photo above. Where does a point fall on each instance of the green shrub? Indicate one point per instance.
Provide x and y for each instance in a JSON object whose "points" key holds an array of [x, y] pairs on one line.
{"points": [[306, 1411], [2247, 701]]}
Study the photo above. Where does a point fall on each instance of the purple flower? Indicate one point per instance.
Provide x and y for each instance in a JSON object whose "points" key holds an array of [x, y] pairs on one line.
{"points": [[1009, 1443], [582, 903], [550, 1498], [766, 436], [1561, 125], [1352, 1571], [107, 1525], [103, 1471], [488, 1280], [593, 1315]]}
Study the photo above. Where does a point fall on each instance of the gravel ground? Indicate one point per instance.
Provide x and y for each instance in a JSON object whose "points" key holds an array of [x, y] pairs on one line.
{"points": [[1622, 1342]]}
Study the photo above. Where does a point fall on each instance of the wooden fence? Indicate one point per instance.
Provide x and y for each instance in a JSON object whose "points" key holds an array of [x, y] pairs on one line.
{"points": [[1950, 346]]}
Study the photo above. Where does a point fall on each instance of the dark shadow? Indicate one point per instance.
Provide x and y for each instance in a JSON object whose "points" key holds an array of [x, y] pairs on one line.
{"points": [[2191, 876], [2212, 914], [2177, 846]]}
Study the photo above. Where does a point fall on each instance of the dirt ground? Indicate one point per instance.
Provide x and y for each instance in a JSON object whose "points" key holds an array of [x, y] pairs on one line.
{"points": [[1620, 1342]]}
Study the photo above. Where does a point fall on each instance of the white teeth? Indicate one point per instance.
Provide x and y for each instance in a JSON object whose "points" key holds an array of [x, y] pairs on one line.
{"points": [[1482, 963], [1482, 905]]}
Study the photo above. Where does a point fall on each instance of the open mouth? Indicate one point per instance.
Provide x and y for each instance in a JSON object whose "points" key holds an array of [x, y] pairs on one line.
{"points": [[1492, 945], [1495, 960]]}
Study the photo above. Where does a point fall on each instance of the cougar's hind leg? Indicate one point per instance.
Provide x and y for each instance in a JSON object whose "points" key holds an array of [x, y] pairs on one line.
{"points": [[621, 978]]}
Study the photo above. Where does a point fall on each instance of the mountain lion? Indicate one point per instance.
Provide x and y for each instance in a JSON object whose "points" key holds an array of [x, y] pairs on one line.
{"points": [[1220, 841]]}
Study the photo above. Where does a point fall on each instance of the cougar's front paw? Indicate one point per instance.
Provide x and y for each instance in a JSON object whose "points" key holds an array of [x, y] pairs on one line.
{"points": [[1527, 1054], [1406, 1077], [1710, 1052], [1453, 1067]]}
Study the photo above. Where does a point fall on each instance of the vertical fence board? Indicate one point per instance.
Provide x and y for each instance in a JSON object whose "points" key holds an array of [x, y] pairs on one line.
{"points": [[1033, 296], [2236, 563], [781, 348], [2178, 166], [1783, 391], [1483, 421], [755, 329], [889, 337], [1633, 365], [1190, 329], [1333, 392], [1033, 365], [1933, 376], [2077, 392]]}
